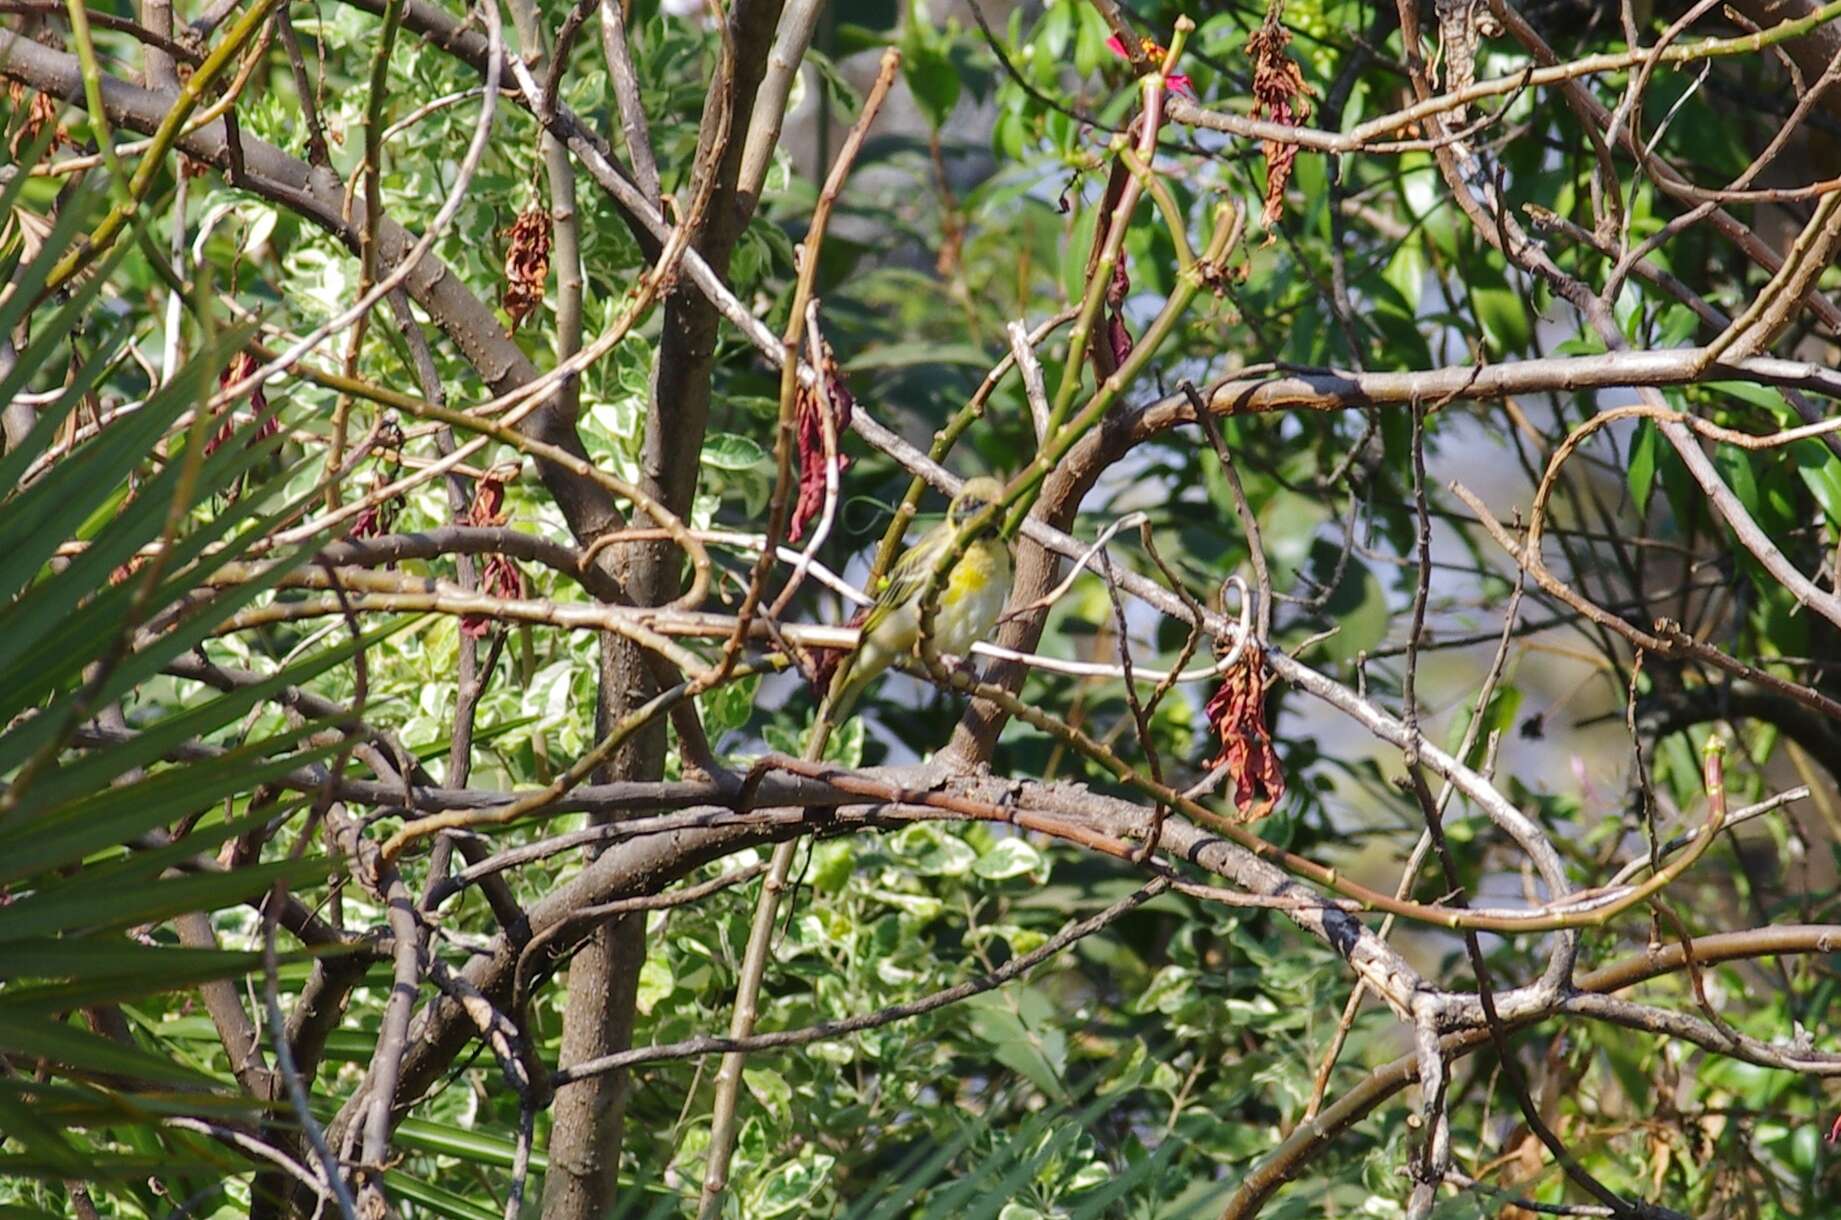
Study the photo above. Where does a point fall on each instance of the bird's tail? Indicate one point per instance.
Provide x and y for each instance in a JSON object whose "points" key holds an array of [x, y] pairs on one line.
{"points": [[859, 669], [849, 683]]}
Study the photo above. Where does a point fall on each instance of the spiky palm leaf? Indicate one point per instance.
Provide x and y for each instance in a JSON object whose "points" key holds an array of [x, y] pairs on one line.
{"points": [[103, 840]]}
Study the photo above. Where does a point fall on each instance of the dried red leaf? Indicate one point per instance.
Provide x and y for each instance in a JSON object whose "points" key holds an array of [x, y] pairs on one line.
{"points": [[125, 572], [240, 367], [498, 575], [41, 113], [826, 660], [527, 263], [1118, 337], [1155, 53], [811, 443], [375, 520], [1279, 91], [488, 507], [1238, 713], [368, 523]]}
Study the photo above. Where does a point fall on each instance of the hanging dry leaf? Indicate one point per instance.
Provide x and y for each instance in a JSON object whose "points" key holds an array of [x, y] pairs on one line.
{"points": [[1112, 343], [1238, 713], [34, 230], [811, 441], [41, 112], [826, 660], [241, 366], [498, 575], [375, 520], [1118, 338], [527, 263], [1279, 91]]}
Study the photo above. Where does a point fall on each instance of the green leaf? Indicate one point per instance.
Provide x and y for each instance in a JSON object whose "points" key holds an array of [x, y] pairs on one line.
{"points": [[932, 79], [1007, 858], [728, 451], [918, 354], [1498, 717], [1504, 317], [119, 814], [770, 1089], [87, 1054], [102, 970], [729, 706], [1359, 606], [475, 1147], [1024, 1039], [101, 768], [655, 983], [75, 906], [438, 1200], [933, 851], [44, 1144], [1645, 452], [793, 1185]]}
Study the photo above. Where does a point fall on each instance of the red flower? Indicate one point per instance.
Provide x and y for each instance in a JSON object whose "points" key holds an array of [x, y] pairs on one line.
{"points": [[1154, 52]]}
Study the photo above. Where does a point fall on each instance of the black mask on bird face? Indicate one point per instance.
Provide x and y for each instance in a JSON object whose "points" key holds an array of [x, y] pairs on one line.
{"points": [[972, 499]]}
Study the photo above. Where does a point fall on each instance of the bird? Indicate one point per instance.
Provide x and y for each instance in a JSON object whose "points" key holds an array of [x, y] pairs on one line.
{"points": [[971, 596]]}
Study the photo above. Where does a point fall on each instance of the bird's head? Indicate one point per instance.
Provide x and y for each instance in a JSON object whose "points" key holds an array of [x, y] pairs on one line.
{"points": [[973, 496]]}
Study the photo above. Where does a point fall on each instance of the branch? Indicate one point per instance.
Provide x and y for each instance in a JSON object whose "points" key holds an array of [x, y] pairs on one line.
{"points": [[1016, 967]]}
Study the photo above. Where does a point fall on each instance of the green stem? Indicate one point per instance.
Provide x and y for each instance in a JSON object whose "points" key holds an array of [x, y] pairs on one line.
{"points": [[943, 441], [1061, 441], [92, 93], [1091, 304]]}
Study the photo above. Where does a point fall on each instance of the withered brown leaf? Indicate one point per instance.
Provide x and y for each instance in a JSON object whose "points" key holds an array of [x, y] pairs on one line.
{"points": [[1279, 93], [527, 263], [499, 576], [1238, 713]]}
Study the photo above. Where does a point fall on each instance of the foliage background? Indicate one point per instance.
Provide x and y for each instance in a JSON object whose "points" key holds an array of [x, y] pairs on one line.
{"points": [[1145, 1070]]}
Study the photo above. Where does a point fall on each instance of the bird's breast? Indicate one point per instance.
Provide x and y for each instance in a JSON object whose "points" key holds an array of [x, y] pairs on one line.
{"points": [[974, 596]]}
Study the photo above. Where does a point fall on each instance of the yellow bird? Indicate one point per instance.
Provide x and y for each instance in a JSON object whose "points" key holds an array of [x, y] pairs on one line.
{"points": [[971, 596]]}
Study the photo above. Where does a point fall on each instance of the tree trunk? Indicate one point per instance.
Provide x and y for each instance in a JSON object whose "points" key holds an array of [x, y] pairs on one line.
{"points": [[588, 1120]]}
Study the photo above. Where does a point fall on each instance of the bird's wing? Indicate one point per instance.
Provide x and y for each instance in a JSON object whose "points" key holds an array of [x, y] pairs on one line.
{"points": [[905, 578]]}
